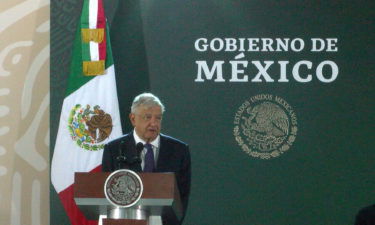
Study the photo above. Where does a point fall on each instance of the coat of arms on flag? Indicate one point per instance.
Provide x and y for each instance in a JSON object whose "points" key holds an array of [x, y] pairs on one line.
{"points": [[89, 128]]}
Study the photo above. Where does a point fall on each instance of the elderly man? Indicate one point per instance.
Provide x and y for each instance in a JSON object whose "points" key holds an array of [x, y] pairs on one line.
{"points": [[157, 153]]}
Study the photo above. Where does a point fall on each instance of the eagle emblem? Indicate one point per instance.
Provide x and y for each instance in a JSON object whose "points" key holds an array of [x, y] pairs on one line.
{"points": [[123, 188], [265, 126], [89, 127]]}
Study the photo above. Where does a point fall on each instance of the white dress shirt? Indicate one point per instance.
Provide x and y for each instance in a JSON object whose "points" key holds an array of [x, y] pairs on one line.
{"points": [[155, 147]]}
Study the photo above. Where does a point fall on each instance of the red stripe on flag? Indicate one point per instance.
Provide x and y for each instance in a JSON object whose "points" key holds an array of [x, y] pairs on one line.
{"points": [[101, 24], [74, 213]]}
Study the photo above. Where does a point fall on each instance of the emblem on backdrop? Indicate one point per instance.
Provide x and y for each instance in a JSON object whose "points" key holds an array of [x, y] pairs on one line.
{"points": [[265, 126], [88, 126]]}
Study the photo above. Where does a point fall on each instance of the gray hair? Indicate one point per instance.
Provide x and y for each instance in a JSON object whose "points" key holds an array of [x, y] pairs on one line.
{"points": [[146, 100]]}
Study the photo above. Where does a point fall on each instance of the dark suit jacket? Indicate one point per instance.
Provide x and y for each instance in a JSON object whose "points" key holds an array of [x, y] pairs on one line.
{"points": [[173, 156], [366, 216]]}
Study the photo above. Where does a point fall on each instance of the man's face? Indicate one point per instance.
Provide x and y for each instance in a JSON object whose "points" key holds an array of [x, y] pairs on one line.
{"points": [[147, 122]]}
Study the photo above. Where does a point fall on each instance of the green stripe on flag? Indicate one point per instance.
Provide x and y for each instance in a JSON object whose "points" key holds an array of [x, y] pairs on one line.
{"points": [[85, 24], [86, 51], [85, 14], [109, 57]]}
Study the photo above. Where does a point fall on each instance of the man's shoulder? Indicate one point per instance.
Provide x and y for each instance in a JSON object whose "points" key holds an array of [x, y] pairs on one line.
{"points": [[366, 215], [125, 137], [171, 140], [369, 210]]}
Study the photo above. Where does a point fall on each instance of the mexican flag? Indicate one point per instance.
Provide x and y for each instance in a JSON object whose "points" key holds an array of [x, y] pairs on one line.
{"points": [[90, 113]]}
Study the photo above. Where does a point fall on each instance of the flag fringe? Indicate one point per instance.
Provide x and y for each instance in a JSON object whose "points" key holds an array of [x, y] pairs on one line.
{"points": [[93, 68], [95, 35]]}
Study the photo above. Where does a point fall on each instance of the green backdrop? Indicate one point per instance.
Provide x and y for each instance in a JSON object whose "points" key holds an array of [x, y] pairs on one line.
{"points": [[325, 176]]}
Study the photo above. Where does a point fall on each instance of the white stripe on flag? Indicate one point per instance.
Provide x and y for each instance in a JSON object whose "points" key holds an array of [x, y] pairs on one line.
{"points": [[94, 51], [93, 13], [93, 20]]}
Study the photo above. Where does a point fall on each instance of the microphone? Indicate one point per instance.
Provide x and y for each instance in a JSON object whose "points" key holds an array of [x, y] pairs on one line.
{"points": [[139, 147]]}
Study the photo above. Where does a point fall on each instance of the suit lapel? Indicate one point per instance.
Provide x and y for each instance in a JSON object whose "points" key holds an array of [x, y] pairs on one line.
{"points": [[129, 146], [130, 143], [163, 155]]}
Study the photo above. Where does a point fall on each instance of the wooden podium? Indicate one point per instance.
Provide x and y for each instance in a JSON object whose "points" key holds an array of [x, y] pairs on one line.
{"points": [[160, 197]]}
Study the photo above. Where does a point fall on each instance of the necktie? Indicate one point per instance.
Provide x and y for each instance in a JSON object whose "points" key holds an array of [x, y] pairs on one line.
{"points": [[149, 159]]}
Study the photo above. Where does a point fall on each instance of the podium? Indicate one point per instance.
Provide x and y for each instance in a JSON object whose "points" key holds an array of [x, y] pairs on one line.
{"points": [[160, 197]]}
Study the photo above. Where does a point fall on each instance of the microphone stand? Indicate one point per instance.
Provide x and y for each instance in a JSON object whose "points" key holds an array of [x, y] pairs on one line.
{"points": [[130, 159], [139, 147], [121, 158]]}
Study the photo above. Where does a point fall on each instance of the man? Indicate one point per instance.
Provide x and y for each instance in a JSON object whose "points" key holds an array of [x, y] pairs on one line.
{"points": [[159, 153]]}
